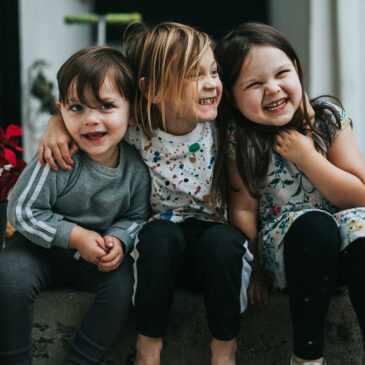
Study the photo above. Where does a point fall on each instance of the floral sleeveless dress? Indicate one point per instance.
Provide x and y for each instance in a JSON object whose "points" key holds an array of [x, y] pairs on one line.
{"points": [[287, 195]]}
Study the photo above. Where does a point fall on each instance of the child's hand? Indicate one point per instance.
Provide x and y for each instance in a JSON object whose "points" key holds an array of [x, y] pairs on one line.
{"points": [[294, 146], [90, 244], [258, 288], [115, 255], [56, 143]]}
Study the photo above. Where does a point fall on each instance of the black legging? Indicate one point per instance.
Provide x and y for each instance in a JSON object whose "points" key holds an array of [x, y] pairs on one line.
{"points": [[206, 253], [313, 263]]}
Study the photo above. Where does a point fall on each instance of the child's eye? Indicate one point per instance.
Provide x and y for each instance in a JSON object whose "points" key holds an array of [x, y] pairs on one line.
{"points": [[76, 107], [254, 84], [106, 106], [282, 73], [214, 73]]}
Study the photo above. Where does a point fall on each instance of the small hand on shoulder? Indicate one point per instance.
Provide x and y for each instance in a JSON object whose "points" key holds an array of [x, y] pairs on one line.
{"points": [[293, 145], [56, 146]]}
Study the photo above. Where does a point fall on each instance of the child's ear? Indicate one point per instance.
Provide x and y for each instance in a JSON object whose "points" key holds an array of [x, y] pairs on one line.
{"points": [[131, 121], [156, 99], [58, 104]]}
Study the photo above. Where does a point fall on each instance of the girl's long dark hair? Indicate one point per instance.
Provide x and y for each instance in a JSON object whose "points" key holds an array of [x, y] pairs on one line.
{"points": [[254, 141]]}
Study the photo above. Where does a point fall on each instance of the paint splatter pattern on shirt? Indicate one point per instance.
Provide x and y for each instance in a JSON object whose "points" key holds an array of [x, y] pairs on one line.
{"points": [[181, 169]]}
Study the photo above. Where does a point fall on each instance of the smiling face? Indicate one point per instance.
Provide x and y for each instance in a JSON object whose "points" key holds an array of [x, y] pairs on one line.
{"points": [[199, 99], [267, 90], [97, 128]]}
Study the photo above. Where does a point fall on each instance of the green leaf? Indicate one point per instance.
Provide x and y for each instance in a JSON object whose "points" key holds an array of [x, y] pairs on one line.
{"points": [[297, 192], [275, 181]]}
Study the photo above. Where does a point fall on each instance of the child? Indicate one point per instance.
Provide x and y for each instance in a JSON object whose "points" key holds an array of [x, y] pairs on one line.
{"points": [[94, 211], [297, 176], [186, 240]]}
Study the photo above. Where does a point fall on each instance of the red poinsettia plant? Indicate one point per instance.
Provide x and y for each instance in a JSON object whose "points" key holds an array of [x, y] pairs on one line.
{"points": [[10, 165]]}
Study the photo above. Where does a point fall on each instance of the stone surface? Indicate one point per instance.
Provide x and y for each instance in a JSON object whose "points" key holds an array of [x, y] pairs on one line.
{"points": [[265, 338]]}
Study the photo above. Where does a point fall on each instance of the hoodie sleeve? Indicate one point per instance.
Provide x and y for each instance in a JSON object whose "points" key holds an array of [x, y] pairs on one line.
{"points": [[30, 206]]}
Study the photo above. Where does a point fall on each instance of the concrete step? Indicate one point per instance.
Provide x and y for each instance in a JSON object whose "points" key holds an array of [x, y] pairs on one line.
{"points": [[265, 338]]}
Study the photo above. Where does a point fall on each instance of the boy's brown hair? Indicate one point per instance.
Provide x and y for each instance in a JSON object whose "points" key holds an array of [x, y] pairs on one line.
{"points": [[89, 67]]}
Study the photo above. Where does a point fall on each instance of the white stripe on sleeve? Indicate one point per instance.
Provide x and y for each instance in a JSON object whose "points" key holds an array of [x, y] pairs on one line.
{"points": [[21, 201]]}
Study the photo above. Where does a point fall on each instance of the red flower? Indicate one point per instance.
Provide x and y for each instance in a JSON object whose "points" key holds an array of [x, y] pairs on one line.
{"points": [[10, 165], [10, 139], [276, 210]]}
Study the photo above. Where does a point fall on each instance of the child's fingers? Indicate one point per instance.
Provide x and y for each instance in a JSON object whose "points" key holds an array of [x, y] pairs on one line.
{"points": [[283, 135], [66, 156], [73, 149], [41, 159], [58, 155], [95, 255], [112, 254], [277, 142], [109, 242], [110, 265], [101, 244], [48, 156]]}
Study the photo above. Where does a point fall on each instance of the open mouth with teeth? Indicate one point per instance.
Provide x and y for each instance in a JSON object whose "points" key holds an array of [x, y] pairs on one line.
{"points": [[94, 137], [207, 101], [277, 105]]}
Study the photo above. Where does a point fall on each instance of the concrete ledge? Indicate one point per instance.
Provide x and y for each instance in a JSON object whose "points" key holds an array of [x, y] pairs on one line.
{"points": [[265, 338]]}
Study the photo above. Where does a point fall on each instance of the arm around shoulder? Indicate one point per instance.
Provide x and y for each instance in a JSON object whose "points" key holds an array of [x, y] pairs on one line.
{"points": [[56, 144]]}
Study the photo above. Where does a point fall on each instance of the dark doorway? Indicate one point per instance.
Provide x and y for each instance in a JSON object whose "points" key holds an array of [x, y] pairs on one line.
{"points": [[10, 111], [211, 17]]}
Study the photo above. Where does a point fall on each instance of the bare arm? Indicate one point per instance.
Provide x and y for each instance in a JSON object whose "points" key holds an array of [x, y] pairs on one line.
{"points": [[56, 144], [242, 213], [340, 177]]}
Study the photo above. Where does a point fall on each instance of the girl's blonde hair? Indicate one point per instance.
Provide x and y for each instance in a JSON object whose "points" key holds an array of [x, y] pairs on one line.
{"points": [[162, 56]]}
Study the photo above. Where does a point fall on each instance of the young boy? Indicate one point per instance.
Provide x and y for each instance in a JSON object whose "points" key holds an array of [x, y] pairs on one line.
{"points": [[93, 210]]}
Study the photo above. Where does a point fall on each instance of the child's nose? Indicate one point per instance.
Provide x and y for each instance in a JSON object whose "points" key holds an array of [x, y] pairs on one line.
{"points": [[272, 88], [211, 82], [92, 117]]}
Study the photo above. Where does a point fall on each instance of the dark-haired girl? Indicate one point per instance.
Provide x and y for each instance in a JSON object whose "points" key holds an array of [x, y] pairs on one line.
{"points": [[301, 181]]}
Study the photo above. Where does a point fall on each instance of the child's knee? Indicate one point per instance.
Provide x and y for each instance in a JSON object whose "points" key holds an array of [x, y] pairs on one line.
{"points": [[160, 239], [222, 245], [314, 233]]}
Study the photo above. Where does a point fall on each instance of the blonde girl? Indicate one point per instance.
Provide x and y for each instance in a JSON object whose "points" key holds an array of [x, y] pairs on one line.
{"points": [[187, 242], [302, 180]]}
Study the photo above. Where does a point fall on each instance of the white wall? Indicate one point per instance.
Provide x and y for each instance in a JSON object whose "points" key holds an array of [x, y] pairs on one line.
{"points": [[44, 35], [337, 54], [291, 17]]}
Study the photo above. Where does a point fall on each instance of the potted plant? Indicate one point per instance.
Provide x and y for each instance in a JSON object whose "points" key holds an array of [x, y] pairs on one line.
{"points": [[11, 167]]}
